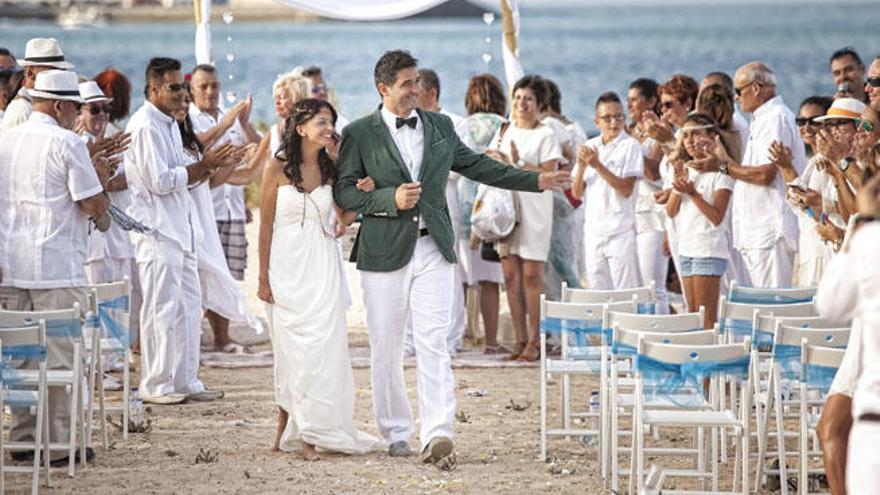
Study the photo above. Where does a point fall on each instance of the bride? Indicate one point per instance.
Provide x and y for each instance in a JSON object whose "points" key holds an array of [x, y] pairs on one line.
{"points": [[301, 279]]}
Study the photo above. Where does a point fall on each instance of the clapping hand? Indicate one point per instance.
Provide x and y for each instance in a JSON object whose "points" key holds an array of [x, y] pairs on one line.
{"points": [[684, 186], [780, 155], [830, 147], [656, 127], [587, 156], [221, 156], [244, 115], [711, 162], [861, 147], [234, 113]]}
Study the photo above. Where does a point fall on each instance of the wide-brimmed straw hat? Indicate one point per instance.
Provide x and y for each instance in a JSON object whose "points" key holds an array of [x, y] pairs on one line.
{"points": [[843, 108], [91, 93], [57, 85], [44, 52]]}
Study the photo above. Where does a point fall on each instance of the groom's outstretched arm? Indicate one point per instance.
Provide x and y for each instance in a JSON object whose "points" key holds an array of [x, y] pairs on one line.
{"points": [[351, 168], [481, 168]]}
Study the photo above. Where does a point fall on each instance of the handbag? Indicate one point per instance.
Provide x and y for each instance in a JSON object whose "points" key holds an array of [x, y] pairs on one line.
{"points": [[495, 213]]}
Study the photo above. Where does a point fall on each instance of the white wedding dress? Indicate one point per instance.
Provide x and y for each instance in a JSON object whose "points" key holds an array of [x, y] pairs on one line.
{"points": [[313, 378]]}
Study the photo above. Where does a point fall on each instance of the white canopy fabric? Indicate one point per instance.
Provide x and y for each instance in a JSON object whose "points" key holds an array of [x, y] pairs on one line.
{"points": [[363, 10]]}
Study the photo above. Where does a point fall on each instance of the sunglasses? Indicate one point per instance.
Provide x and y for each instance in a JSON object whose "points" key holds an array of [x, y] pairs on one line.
{"points": [[802, 121], [839, 122], [867, 125], [740, 90], [175, 87], [874, 82], [96, 109], [666, 105]]}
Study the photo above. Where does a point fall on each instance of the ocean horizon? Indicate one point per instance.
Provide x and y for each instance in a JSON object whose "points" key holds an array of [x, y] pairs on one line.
{"points": [[586, 50]]}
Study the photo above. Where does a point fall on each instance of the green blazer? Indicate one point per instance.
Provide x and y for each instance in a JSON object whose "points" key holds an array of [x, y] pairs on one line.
{"points": [[388, 236]]}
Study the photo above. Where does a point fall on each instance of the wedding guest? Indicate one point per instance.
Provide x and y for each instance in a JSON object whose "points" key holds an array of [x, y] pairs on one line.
{"points": [[429, 99], [529, 145], [117, 87], [716, 101], [740, 124], [51, 188], [486, 105], [608, 167], [40, 54], [7, 59], [650, 232], [300, 279], [764, 227], [872, 84], [8, 85], [699, 203], [158, 178], [848, 73], [322, 91], [216, 127]]}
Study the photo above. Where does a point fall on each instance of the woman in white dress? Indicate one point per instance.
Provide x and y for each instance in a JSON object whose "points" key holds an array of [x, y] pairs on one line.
{"points": [[528, 144], [301, 279]]}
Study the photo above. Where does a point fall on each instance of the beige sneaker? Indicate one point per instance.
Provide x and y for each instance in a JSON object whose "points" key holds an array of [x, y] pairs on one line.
{"points": [[438, 449], [206, 396], [165, 399]]}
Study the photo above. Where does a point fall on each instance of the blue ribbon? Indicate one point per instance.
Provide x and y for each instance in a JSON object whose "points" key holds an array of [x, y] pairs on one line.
{"points": [[620, 349], [756, 296], [674, 377], [789, 358], [740, 328], [64, 328], [646, 308], [819, 377], [116, 330]]}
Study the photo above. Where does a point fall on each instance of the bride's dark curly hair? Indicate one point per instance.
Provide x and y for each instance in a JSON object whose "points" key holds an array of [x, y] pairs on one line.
{"points": [[290, 150]]}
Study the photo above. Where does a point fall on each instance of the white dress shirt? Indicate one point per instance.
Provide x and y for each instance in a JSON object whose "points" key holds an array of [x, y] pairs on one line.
{"points": [[44, 170], [17, 112], [228, 198], [760, 213], [606, 212], [155, 167], [410, 144]]}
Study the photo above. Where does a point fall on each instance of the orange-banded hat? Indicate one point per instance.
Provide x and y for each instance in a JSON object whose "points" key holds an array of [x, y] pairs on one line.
{"points": [[843, 108]]}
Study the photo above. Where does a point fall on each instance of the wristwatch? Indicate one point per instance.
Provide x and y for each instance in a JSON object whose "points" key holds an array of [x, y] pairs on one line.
{"points": [[520, 163], [845, 163], [724, 168]]}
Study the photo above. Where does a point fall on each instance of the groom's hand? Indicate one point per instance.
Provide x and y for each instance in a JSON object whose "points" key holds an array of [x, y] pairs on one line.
{"points": [[407, 195], [552, 180]]}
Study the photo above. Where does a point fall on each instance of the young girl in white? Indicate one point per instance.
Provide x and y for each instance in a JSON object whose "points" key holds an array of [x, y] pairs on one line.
{"points": [[699, 204]]}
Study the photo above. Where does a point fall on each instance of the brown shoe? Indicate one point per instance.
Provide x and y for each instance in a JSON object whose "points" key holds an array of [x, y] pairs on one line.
{"points": [[517, 350], [439, 452], [530, 353]]}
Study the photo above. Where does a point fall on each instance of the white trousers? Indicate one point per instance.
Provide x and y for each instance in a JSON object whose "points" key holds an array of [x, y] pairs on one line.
{"points": [[423, 289], [170, 317], [109, 270], [612, 262], [863, 459], [769, 268], [653, 265]]}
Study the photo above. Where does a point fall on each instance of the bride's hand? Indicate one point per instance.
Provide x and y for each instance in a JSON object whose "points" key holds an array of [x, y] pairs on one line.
{"points": [[264, 292]]}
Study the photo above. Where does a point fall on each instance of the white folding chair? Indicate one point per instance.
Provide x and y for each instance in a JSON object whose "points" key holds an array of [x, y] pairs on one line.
{"points": [[785, 370], [819, 364], [645, 297], [673, 369], [25, 346], [580, 327], [62, 324], [767, 296], [110, 305], [624, 345]]}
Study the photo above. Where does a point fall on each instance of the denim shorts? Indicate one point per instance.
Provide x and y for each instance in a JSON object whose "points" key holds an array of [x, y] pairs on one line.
{"points": [[705, 267]]}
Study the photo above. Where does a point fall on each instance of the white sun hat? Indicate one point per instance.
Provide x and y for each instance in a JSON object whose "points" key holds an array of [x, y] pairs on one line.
{"points": [[91, 93], [57, 85], [44, 52], [843, 108]]}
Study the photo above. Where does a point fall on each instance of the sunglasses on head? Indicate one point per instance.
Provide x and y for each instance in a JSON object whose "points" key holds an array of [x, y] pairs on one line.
{"points": [[867, 125], [874, 82]]}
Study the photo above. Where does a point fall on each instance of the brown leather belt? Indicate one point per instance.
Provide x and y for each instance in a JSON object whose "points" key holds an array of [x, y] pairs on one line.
{"points": [[872, 417]]}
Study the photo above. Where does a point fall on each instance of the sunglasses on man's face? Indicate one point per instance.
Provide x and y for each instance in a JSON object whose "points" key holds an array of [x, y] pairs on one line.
{"points": [[175, 87], [96, 109], [874, 82]]}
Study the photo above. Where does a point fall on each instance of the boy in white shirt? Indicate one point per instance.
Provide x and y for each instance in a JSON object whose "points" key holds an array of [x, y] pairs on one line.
{"points": [[608, 167]]}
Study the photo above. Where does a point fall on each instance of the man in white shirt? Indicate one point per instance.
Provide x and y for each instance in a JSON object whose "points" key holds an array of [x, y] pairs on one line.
{"points": [[848, 72], [765, 231], [40, 54], [216, 127], [605, 176], [155, 167], [48, 190], [321, 91], [429, 100]]}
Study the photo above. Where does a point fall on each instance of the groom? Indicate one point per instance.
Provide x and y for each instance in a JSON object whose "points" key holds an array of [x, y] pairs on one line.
{"points": [[404, 250]]}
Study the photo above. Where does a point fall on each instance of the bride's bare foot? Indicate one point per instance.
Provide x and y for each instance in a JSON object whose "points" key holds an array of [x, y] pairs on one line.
{"points": [[309, 452]]}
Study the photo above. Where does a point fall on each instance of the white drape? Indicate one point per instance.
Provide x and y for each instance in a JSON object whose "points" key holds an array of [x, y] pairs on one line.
{"points": [[513, 69], [363, 10], [202, 10]]}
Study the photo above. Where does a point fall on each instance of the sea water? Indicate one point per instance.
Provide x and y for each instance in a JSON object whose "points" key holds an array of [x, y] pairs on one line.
{"points": [[586, 50]]}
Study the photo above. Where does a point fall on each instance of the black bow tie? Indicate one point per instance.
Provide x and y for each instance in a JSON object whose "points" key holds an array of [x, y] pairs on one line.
{"points": [[411, 122]]}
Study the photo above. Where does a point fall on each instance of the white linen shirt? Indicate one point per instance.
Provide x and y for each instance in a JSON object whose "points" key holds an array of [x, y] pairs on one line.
{"points": [[607, 213], [761, 215], [44, 170], [410, 144], [850, 288], [17, 112], [228, 198], [155, 167]]}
